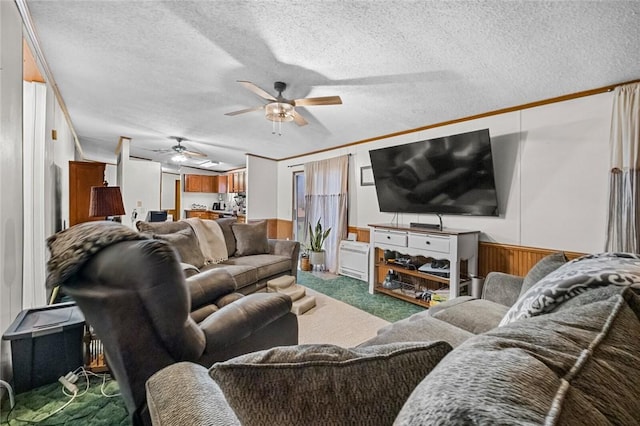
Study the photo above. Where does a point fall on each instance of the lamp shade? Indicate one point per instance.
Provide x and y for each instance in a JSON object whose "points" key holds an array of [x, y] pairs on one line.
{"points": [[279, 111], [106, 201]]}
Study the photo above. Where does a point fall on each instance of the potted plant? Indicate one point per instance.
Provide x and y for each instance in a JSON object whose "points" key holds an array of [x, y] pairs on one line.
{"points": [[317, 237]]}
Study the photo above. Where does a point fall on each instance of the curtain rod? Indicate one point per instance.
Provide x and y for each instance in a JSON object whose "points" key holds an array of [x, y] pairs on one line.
{"points": [[302, 164]]}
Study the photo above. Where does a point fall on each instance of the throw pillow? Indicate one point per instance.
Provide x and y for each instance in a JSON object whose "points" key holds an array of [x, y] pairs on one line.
{"points": [[566, 368], [225, 224], [573, 278], [251, 238], [544, 267], [186, 244], [325, 384], [161, 227]]}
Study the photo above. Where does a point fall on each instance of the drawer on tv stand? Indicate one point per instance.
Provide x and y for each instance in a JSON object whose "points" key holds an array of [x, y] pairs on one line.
{"points": [[439, 244], [392, 238]]}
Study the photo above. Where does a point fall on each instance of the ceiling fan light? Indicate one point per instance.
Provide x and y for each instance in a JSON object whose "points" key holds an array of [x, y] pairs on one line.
{"points": [[279, 111], [179, 158]]}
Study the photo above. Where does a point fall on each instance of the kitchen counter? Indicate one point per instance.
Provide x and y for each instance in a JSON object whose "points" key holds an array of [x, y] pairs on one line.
{"points": [[212, 214]]}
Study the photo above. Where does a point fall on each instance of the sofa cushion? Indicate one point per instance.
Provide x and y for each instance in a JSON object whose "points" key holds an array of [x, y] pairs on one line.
{"points": [[244, 275], [420, 327], [573, 278], [267, 265], [575, 366], [186, 244], [544, 267], [161, 227], [251, 238], [325, 384], [473, 315], [225, 224]]}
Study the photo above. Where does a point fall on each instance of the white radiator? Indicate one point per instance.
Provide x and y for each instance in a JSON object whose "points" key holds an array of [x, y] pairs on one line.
{"points": [[354, 260]]}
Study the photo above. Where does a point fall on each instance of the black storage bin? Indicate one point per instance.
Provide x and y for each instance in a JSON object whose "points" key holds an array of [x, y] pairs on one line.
{"points": [[46, 343]]}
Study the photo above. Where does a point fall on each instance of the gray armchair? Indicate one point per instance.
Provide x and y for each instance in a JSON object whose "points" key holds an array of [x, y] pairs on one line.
{"points": [[132, 291]]}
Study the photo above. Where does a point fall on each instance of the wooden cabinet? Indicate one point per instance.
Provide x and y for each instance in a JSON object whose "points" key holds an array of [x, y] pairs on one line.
{"points": [[82, 176], [220, 184], [192, 183], [459, 248], [202, 214], [205, 183], [237, 181], [208, 184]]}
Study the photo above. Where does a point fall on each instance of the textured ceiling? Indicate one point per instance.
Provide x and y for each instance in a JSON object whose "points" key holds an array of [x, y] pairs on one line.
{"points": [[150, 69]]}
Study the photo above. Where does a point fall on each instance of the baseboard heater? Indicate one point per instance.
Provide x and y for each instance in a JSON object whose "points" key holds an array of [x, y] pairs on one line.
{"points": [[354, 260]]}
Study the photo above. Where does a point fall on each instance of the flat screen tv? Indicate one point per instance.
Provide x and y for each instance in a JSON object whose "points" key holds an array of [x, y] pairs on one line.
{"points": [[449, 175]]}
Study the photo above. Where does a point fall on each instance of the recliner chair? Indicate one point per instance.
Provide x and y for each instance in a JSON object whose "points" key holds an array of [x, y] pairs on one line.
{"points": [[133, 293]]}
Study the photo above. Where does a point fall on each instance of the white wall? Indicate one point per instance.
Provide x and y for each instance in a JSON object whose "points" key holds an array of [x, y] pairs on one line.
{"points": [[11, 223], [551, 166], [168, 190], [139, 183], [262, 188]]}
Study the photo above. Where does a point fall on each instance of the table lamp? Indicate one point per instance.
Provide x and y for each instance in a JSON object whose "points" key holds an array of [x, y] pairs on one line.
{"points": [[106, 201]]}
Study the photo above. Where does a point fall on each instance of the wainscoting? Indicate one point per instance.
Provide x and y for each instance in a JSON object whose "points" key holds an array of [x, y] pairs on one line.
{"points": [[515, 260]]}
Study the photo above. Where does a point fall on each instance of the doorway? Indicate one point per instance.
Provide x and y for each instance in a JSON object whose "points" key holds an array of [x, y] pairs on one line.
{"points": [[298, 206]]}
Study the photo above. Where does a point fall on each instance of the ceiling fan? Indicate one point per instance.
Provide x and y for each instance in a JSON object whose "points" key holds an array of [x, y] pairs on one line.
{"points": [[181, 151], [281, 109]]}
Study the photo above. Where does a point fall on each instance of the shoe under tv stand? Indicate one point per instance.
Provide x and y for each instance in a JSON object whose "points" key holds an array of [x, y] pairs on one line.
{"points": [[459, 247]]}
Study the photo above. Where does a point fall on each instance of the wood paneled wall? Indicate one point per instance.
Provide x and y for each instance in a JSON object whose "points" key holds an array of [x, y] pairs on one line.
{"points": [[496, 257], [515, 260]]}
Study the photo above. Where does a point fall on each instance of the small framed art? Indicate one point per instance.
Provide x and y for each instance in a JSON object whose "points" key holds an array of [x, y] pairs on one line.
{"points": [[366, 176]]}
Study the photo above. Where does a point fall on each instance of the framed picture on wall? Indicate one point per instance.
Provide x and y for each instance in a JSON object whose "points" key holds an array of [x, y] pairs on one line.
{"points": [[366, 176]]}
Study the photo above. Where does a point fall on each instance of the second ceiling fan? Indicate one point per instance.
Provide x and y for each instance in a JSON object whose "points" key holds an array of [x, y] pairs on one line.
{"points": [[281, 109]]}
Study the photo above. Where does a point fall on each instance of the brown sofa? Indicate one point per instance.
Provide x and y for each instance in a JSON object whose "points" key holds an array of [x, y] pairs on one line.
{"points": [[253, 258], [563, 352]]}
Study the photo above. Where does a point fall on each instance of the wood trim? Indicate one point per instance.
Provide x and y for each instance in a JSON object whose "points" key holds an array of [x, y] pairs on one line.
{"points": [[511, 259], [473, 117], [30, 71]]}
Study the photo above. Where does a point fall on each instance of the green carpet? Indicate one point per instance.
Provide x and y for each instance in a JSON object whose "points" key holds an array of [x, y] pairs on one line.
{"points": [[355, 293], [90, 408]]}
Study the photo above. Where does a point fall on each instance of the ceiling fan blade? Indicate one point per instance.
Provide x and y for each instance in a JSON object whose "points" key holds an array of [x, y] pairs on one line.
{"points": [[158, 150], [325, 100], [242, 111], [258, 91], [299, 120], [194, 153]]}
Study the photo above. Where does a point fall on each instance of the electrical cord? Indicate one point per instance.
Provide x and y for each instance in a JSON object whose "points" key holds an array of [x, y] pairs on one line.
{"points": [[70, 389]]}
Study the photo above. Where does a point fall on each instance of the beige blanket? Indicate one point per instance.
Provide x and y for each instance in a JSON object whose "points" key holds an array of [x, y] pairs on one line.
{"points": [[210, 238]]}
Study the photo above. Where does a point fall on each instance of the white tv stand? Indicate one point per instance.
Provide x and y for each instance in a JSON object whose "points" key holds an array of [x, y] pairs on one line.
{"points": [[457, 246]]}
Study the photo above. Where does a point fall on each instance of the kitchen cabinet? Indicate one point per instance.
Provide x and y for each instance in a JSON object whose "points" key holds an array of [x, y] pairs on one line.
{"points": [[202, 214], [192, 183], [205, 183], [237, 181], [220, 184], [208, 184]]}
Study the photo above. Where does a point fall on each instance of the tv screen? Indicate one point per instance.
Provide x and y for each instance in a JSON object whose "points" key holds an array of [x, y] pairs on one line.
{"points": [[448, 175]]}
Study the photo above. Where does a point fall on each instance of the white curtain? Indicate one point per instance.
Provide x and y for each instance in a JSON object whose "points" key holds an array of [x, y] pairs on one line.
{"points": [[624, 189], [326, 199]]}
